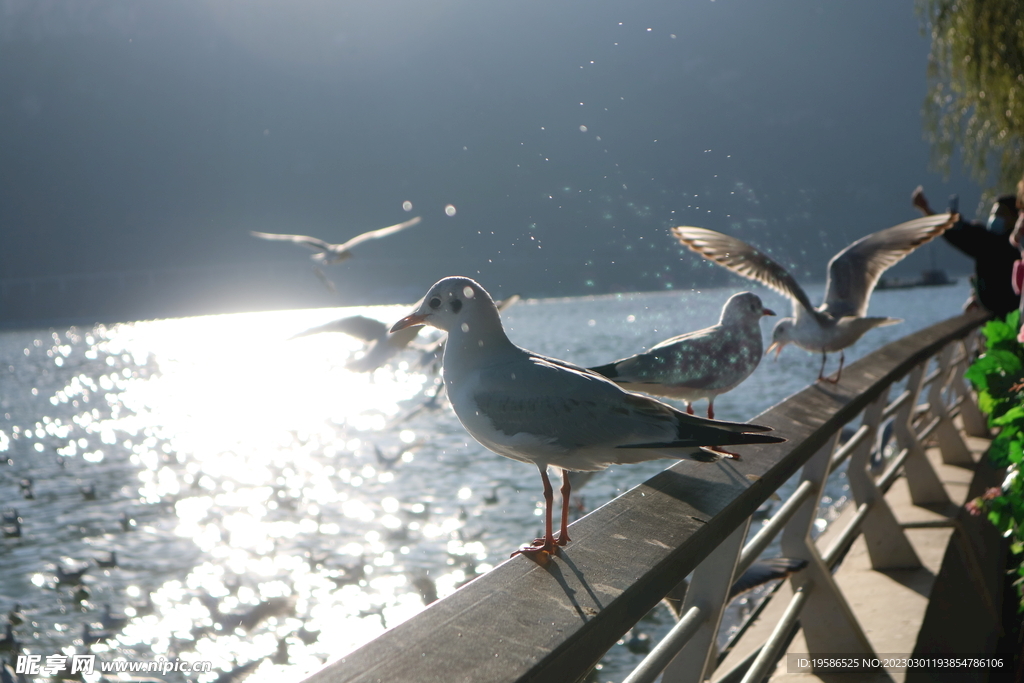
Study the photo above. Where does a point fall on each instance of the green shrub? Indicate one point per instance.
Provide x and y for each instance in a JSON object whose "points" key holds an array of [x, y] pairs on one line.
{"points": [[998, 377]]}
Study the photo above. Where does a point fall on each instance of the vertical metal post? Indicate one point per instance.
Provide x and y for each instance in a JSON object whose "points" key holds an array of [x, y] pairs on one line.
{"points": [[951, 444], [925, 487], [709, 591], [829, 624], [887, 543], [975, 424]]}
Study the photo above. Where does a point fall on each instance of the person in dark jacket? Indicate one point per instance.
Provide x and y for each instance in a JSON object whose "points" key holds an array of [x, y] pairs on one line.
{"points": [[989, 245]]}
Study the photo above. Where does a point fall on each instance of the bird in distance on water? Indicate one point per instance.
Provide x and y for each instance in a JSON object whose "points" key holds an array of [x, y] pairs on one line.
{"points": [[328, 253], [852, 275], [702, 364], [547, 412]]}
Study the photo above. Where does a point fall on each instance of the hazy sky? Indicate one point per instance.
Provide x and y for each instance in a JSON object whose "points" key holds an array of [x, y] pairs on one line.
{"points": [[568, 135]]}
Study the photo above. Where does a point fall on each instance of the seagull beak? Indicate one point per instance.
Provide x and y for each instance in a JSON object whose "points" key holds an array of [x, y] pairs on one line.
{"points": [[767, 311], [409, 321], [778, 349]]}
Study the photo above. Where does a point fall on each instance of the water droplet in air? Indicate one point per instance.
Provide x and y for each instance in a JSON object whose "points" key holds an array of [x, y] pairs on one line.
{"points": [[450, 210]]}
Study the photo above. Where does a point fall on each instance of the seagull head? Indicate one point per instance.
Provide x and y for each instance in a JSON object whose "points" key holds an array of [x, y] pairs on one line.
{"points": [[781, 335], [455, 304], [744, 308]]}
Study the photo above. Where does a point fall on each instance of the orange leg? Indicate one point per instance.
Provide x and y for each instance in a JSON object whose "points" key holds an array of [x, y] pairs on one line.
{"points": [[689, 408], [839, 372], [563, 533], [546, 544], [719, 449]]}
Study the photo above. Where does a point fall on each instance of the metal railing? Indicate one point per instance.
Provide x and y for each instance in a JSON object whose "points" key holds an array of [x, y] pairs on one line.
{"points": [[525, 621]]}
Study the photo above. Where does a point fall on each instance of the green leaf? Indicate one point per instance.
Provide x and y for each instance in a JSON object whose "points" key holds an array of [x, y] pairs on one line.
{"points": [[1009, 362], [1013, 320], [998, 330], [999, 452], [998, 519], [1013, 417], [986, 402]]}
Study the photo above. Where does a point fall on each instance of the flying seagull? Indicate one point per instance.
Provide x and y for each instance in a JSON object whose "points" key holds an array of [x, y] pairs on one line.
{"points": [[544, 411], [382, 346], [852, 275], [328, 253]]}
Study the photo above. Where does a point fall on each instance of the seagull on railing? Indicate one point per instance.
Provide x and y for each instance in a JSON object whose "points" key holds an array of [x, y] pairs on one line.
{"points": [[701, 364], [852, 275], [544, 411], [328, 253]]}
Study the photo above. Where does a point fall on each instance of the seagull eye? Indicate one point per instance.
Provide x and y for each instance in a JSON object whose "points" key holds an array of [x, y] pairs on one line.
{"points": [[456, 305], [434, 303]]}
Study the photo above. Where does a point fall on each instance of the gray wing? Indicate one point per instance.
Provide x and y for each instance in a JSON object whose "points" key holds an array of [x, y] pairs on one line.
{"points": [[745, 260], [305, 240], [575, 408], [383, 349], [854, 272], [571, 408], [376, 234], [711, 358], [357, 326]]}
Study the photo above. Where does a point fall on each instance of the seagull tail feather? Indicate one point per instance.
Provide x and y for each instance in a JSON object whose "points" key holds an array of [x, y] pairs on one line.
{"points": [[721, 438]]}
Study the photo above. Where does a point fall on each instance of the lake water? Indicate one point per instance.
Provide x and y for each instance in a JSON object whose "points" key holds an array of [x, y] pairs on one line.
{"points": [[248, 466]]}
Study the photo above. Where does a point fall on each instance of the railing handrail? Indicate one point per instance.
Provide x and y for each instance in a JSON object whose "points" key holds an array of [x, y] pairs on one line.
{"points": [[527, 622]]}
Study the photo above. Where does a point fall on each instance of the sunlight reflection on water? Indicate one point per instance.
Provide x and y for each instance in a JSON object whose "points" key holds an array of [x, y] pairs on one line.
{"points": [[267, 504]]}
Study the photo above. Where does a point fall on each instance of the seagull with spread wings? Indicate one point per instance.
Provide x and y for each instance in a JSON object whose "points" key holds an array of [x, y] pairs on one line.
{"points": [[852, 275], [381, 345], [328, 253]]}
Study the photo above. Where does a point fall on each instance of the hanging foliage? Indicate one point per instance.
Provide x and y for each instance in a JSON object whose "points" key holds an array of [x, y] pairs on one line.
{"points": [[975, 102]]}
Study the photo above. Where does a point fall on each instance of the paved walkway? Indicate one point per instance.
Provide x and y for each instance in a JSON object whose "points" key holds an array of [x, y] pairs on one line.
{"points": [[889, 605]]}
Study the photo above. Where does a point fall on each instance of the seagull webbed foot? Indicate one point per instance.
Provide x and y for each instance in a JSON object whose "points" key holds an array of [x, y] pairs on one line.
{"points": [[722, 451], [540, 550]]}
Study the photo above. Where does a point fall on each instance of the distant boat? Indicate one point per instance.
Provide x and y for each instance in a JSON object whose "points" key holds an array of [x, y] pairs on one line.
{"points": [[933, 277]]}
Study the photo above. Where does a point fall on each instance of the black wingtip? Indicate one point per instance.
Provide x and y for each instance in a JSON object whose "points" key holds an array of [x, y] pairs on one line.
{"points": [[756, 428], [610, 370]]}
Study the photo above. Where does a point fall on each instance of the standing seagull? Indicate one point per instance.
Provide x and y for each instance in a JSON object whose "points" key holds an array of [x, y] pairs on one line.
{"points": [[548, 412], [852, 275], [328, 253], [701, 364]]}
